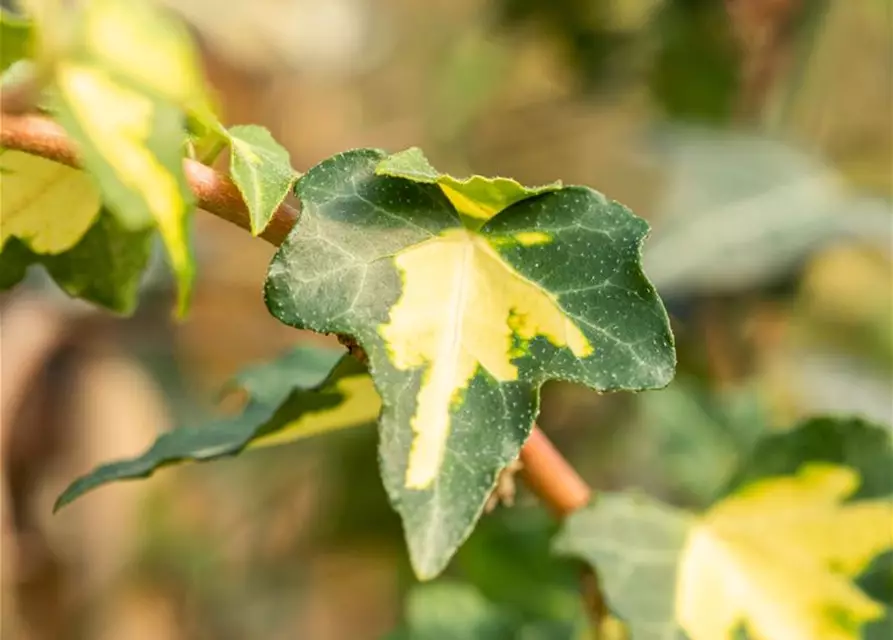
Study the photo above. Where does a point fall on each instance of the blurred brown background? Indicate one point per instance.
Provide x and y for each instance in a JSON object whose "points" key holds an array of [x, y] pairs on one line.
{"points": [[769, 115]]}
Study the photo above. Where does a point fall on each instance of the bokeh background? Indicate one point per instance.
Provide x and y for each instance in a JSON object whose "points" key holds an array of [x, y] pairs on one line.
{"points": [[756, 136]]}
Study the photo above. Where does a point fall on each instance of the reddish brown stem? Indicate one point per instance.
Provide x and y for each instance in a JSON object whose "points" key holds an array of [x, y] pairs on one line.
{"points": [[545, 470], [551, 477], [214, 191]]}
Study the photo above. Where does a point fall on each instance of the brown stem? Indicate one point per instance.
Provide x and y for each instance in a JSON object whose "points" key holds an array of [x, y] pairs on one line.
{"points": [[545, 470], [551, 477], [214, 191]]}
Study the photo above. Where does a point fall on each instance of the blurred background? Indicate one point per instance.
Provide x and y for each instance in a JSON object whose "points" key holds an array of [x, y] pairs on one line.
{"points": [[756, 136]]}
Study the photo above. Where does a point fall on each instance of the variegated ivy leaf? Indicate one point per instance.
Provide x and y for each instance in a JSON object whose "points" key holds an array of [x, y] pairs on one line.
{"points": [[131, 144], [463, 322], [304, 393], [782, 556], [123, 90], [262, 171]]}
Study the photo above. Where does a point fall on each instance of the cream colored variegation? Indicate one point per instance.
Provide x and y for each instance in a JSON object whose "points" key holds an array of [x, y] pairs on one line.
{"points": [[461, 308], [118, 122], [779, 557]]}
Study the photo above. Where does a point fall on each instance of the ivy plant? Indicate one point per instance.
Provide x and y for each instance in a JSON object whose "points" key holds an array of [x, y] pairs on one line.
{"points": [[455, 300]]}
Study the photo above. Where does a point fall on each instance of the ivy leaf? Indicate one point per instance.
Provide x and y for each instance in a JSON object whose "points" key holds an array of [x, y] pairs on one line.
{"points": [[463, 325], [14, 35], [46, 205], [131, 145], [262, 171], [776, 558], [307, 392], [105, 267], [122, 96]]}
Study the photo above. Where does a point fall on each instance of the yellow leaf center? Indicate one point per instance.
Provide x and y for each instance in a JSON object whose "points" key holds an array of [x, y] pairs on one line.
{"points": [[462, 307]]}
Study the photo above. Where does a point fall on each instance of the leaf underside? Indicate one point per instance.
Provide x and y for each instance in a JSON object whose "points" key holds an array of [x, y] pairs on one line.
{"points": [[463, 319], [306, 392]]}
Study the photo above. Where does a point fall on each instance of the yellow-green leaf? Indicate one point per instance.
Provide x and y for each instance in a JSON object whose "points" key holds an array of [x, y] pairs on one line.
{"points": [[306, 392], [262, 171], [476, 198], [462, 326], [131, 143], [777, 558], [14, 34], [46, 205], [139, 43]]}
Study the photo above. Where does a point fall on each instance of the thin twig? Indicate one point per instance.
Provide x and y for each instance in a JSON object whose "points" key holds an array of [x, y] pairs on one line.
{"points": [[545, 470], [214, 191]]}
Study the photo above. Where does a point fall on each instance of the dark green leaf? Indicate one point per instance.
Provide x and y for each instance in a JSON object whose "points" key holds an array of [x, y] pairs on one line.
{"points": [[105, 267], [262, 171], [302, 394], [14, 34], [463, 324]]}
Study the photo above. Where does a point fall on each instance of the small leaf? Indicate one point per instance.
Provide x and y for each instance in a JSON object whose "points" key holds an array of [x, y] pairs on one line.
{"points": [[46, 205], [476, 199], [132, 145], [105, 267], [776, 558], [14, 34], [463, 326], [262, 171], [303, 396]]}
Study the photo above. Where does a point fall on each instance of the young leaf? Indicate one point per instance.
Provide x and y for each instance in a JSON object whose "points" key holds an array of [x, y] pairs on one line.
{"points": [[105, 267], [262, 171], [14, 34], [776, 558], [46, 205], [307, 392], [463, 326]]}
